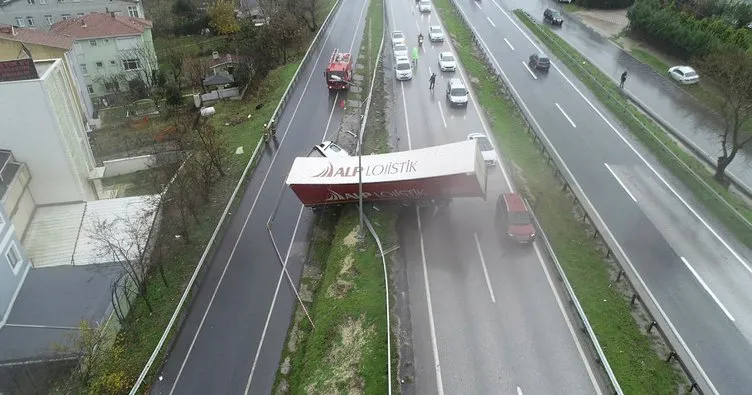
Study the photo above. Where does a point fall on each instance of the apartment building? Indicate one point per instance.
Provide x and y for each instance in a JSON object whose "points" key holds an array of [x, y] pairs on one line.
{"points": [[42, 14]]}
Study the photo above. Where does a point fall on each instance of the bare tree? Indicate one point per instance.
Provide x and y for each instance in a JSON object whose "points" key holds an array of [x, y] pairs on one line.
{"points": [[287, 33], [124, 240], [196, 69], [731, 69]]}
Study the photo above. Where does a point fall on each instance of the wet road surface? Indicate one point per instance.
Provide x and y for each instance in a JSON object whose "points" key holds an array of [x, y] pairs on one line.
{"points": [[694, 269], [232, 338], [486, 315]]}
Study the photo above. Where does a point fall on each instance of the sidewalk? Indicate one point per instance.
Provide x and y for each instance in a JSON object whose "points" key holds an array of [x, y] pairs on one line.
{"points": [[589, 31]]}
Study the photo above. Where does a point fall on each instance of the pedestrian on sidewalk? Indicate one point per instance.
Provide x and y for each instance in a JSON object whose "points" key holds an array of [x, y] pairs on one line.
{"points": [[623, 79], [432, 81]]}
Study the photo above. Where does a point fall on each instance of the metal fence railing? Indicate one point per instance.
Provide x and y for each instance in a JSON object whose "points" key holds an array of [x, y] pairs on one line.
{"points": [[213, 241], [679, 350]]}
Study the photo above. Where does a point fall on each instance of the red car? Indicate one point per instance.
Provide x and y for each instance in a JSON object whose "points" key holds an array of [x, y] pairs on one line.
{"points": [[514, 218]]}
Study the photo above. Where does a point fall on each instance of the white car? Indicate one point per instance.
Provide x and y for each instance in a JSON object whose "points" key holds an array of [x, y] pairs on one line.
{"points": [[435, 34], [684, 74], [403, 69], [486, 149], [328, 149], [400, 50], [398, 37], [447, 62], [424, 6]]}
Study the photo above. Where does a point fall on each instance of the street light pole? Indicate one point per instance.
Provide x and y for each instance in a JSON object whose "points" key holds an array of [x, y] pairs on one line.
{"points": [[361, 230]]}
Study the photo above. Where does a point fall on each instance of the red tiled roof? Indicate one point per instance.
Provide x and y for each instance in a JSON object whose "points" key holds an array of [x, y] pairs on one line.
{"points": [[33, 36], [101, 25]]}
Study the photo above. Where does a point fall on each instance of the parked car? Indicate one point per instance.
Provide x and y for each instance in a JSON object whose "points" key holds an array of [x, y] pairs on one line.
{"points": [[684, 74], [424, 6], [447, 62], [513, 218], [486, 149], [400, 50], [539, 61], [403, 69], [435, 34], [398, 37], [553, 17], [456, 93]]}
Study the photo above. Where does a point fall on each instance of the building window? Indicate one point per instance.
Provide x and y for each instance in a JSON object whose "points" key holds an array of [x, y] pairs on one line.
{"points": [[30, 2], [80, 14], [117, 13], [83, 69], [43, 2], [20, 22], [133, 11], [30, 21], [60, 1], [90, 88], [130, 64], [48, 19], [93, 43], [100, 65], [113, 63], [111, 86], [66, 17], [13, 257]]}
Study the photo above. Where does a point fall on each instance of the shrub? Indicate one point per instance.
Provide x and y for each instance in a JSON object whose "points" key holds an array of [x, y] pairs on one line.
{"points": [[605, 4]]}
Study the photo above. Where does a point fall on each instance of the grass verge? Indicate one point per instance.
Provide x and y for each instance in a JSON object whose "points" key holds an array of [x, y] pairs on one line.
{"points": [[637, 366], [651, 135], [347, 350]]}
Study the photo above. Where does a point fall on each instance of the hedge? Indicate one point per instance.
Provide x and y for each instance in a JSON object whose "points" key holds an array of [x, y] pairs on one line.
{"points": [[605, 4], [681, 33]]}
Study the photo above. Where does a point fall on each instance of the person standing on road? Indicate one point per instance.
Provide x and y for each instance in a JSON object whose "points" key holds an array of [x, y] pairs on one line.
{"points": [[415, 56], [432, 81], [623, 79]]}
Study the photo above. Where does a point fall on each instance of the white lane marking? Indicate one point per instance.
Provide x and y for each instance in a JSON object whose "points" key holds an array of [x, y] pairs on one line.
{"points": [[431, 324], [565, 115], [593, 381], [443, 120], [707, 289], [429, 70], [510, 46], [417, 24], [620, 183], [485, 270], [274, 300], [477, 4], [248, 217], [519, 390], [491, 22], [568, 321], [407, 120], [624, 139], [528, 70]]}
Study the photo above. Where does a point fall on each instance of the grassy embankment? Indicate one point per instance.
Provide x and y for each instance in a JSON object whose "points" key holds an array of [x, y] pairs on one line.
{"points": [[637, 366], [135, 342], [651, 135], [343, 283]]}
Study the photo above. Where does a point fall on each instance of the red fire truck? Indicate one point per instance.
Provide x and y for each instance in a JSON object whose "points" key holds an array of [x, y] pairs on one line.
{"points": [[338, 73], [432, 175]]}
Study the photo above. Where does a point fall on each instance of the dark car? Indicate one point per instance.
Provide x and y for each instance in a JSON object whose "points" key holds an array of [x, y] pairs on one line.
{"points": [[513, 217], [539, 61], [553, 17]]}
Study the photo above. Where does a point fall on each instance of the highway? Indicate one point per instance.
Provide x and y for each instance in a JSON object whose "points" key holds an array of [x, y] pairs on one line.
{"points": [[232, 338], [697, 272], [486, 317]]}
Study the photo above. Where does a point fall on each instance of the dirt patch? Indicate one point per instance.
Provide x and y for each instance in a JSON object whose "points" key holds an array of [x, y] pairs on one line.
{"points": [[344, 359], [348, 267], [352, 238], [607, 23], [339, 289]]}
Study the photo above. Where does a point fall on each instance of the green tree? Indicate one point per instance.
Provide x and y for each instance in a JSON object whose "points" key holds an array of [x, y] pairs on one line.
{"points": [[222, 17], [731, 69]]}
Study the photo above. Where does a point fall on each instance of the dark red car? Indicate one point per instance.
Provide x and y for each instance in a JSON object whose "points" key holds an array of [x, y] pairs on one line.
{"points": [[514, 218]]}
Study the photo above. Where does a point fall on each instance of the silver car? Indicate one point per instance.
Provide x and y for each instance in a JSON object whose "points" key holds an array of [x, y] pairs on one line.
{"points": [[400, 50], [435, 34], [447, 62]]}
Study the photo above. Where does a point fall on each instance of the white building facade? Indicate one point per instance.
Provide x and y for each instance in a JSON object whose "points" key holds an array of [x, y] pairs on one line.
{"points": [[44, 128], [41, 14]]}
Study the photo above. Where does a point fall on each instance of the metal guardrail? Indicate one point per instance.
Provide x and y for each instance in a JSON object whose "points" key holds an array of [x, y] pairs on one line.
{"points": [[679, 350], [659, 321], [211, 244], [695, 150]]}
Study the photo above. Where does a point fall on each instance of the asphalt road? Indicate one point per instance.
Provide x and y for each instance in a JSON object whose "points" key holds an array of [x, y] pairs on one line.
{"points": [[680, 110], [225, 345], [486, 316], [696, 271]]}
